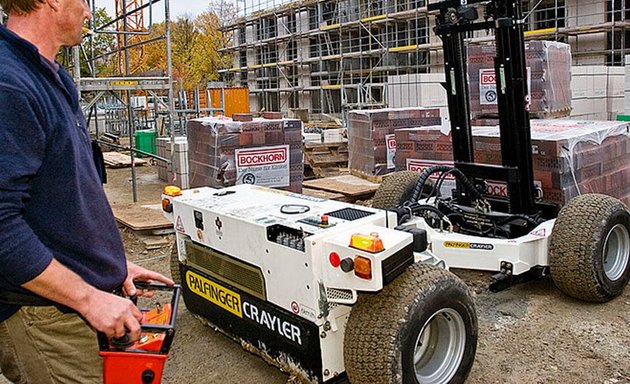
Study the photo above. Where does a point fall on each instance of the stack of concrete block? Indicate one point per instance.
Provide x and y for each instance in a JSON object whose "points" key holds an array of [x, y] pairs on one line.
{"points": [[179, 169], [418, 90], [569, 157], [597, 92], [549, 79], [371, 139], [223, 152]]}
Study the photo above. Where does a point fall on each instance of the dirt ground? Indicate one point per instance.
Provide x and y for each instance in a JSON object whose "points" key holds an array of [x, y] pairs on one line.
{"points": [[530, 333]]}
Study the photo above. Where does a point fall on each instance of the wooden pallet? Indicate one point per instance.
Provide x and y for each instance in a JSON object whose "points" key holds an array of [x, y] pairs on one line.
{"points": [[327, 159], [120, 160]]}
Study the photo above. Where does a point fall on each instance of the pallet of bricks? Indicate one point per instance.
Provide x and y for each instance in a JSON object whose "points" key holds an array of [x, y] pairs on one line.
{"points": [[371, 136], [569, 157], [549, 79], [267, 152]]}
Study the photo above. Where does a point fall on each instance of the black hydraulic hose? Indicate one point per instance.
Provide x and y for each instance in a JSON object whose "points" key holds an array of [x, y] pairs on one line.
{"points": [[424, 176], [405, 212]]}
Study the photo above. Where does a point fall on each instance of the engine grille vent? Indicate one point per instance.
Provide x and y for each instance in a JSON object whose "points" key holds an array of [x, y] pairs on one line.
{"points": [[350, 214], [225, 268]]}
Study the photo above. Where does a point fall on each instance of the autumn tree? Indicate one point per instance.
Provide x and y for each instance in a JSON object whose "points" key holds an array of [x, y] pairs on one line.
{"points": [[195, 45]]}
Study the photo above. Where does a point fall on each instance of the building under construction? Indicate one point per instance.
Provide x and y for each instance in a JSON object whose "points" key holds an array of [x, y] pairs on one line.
{"points": [[329, 56]]}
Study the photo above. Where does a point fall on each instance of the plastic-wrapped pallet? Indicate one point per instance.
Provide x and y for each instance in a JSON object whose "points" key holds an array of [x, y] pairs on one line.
{"points": [[371, 140], [264, 152], [549, 76], [569, 157]]}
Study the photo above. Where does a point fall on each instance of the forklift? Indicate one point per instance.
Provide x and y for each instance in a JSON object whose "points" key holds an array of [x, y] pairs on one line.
{"points": [[584, 246]]}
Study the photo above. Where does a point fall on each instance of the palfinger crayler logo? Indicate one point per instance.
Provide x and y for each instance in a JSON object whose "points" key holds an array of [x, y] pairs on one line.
{"points": [[466, 245], [233, 303]]}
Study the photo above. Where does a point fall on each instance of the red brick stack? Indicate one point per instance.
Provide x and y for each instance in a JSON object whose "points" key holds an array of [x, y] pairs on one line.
{"points": [[569, 157], [549, 66], [368, 131], [428, 143], [213, 143]]}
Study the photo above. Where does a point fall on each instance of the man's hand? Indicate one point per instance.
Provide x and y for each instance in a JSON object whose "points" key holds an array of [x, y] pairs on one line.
{"points": [[135, 272], [113, 315], [106, 312]]}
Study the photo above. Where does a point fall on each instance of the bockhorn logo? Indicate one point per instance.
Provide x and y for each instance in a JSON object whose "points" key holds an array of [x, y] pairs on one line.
{"points": [[261, 157]]}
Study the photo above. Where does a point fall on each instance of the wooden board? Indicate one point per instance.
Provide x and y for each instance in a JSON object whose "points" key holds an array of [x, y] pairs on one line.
{"points": [[323, 194], [141, 217], [373, 178], [120, 160], [346, 184]]}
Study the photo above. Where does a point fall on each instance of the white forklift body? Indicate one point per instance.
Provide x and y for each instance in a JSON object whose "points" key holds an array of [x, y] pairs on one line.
{"points": [[509, 256], [280, 271]]}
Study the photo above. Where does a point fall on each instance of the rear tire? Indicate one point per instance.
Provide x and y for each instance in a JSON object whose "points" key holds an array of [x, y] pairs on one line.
{"points": [[421, 328], [589, 249], [395, 189]]}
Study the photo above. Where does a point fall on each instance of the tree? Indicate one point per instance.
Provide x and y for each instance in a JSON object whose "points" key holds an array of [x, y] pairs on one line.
{"points": [[226, 11]]}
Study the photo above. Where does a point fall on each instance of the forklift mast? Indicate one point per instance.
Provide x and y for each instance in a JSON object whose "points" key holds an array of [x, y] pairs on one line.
{"points": [[456, 20]]}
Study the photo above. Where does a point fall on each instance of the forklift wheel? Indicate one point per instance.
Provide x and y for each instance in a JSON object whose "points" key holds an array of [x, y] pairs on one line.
{"points": [[175, 274], [589, 250], [395, 189], [421, 328]]}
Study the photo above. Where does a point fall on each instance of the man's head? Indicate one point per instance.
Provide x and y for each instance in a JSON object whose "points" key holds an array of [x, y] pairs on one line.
{"points": [[49, 24], [20, 7]]}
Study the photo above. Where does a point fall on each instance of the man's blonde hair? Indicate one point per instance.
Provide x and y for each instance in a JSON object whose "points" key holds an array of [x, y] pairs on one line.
{"points": [[20, 7]]}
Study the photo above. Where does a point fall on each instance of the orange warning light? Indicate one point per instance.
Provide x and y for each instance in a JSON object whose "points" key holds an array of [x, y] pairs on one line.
{"points": [[172, 190], [369, 243], [363, 267]]}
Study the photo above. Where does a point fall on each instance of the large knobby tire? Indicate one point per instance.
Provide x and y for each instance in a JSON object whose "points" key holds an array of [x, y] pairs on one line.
{"points": [[395, 189], [589, 249], [174, 260], [421, 328]]}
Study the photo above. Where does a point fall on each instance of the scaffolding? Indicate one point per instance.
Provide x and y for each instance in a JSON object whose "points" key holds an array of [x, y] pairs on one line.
{"points": [[115, 98], [331, 56]]}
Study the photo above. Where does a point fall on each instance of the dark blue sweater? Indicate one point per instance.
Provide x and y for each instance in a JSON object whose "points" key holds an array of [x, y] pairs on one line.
{"points": [[52, 204]]}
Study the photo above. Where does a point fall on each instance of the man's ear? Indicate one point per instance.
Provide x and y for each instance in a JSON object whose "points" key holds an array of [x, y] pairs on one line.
{"points": [[54, 4]]}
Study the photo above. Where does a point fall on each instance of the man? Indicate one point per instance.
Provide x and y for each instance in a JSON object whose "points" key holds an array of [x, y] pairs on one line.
{"points": [[58, 238]]}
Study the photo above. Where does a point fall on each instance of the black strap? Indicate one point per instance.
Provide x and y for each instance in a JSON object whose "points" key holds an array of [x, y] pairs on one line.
{"points": [[99, 161], [23, 299]]}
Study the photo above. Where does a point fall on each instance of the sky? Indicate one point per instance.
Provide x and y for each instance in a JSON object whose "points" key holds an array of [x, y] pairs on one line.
{"points": [[177, 8]]}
